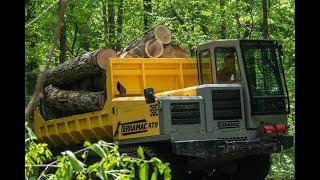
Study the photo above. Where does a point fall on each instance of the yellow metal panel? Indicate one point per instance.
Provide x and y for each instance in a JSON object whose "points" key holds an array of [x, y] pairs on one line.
{"points": [[134, 118], [127, 72], [72, 129], [162, 74], [135, 74]]}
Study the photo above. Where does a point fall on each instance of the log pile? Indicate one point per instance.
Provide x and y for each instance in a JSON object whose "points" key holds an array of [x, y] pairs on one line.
{"points": [[78, 85]]}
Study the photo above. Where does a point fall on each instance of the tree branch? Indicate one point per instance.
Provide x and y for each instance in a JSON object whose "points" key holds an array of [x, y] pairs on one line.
{"points": [[70, 51], [37, 94], [54, 162], [75, 37], [42, 165], [41, 14], [176, 14]]}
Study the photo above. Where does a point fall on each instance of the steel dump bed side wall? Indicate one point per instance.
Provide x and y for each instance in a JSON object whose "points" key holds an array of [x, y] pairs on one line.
{"points": [[135, 74], [162, 74]]}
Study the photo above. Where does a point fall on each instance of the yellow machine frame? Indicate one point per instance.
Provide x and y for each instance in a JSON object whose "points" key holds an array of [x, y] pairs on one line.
{"points": [[124, 117]]}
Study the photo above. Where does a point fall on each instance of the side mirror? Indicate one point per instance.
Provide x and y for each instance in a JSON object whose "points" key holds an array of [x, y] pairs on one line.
{"points": [[149, 95]]}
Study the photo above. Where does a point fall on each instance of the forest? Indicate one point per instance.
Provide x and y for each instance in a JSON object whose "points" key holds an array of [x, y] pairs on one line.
{"points": [[90, 25]]}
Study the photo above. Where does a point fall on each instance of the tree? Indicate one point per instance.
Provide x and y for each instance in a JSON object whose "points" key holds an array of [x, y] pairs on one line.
{"points": [[147, 6], [105, 22], [119, 24], [111, 24], [265, 27], [223, 19], [63, 41]]}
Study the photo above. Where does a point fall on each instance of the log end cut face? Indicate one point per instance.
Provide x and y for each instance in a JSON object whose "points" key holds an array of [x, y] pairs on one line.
{"points": [[154, 48], [104, 55], [163, 34]]}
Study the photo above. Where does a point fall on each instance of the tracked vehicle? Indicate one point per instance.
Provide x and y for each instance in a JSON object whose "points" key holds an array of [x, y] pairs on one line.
{"points": [[222, 113]]}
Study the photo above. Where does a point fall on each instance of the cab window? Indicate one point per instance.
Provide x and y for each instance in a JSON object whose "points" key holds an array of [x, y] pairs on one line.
{"points": [[205, 67], [227, 66]]}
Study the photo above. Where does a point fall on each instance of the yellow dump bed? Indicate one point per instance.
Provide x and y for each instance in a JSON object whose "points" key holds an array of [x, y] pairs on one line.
{"points": [[135, 74]]}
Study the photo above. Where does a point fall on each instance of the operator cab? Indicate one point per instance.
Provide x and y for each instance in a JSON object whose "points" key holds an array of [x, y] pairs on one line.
{"points": [[256, 65]]}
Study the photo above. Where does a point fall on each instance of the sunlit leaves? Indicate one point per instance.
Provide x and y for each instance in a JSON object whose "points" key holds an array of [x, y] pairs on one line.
{"points": [[113, 164], [36, 154], [76, 164]]}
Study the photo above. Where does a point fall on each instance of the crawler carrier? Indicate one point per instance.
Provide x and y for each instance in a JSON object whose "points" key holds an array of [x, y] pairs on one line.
{"points": [[223, 112]]}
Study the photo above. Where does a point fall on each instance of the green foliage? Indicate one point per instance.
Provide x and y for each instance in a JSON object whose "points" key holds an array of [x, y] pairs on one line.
{"points": [[191, 22], [113, 164], [35, 153], [282, 165]]}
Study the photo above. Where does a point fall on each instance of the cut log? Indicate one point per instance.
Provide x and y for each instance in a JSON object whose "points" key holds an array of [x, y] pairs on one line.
{"points": [[163, 34], [79, 68], [73, 102], [90, 83], [128, 54], [160, 32], [154, 48], [104, 55], [174, 51]]}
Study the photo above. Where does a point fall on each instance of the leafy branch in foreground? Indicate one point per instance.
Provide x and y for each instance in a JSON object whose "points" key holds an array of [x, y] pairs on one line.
{"points": [[112, 165]]}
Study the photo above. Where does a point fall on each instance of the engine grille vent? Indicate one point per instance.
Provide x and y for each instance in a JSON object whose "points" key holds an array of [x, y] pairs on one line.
{"points": [[226, 104], [185, 113], [234, 139], [153, 110]]}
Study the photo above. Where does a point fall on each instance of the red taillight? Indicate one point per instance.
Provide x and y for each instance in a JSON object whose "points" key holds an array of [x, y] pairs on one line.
{"points": [[281, 128], [269, 129], [272, 130]]}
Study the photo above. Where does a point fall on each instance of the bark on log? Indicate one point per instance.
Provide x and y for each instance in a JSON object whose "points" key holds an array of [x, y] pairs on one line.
{"points": [[160, 32], [91, 83], [174, 51], [128, 54], [79, 68], [73, 102]]}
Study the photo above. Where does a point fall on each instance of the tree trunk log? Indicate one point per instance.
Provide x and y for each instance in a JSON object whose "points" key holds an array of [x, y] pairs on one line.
{"points": [[163, 34], [91, 83], [104, 55], [160, 32], [73, 102], [128, 54], [88, 65], [154, 48], [174, 51]]}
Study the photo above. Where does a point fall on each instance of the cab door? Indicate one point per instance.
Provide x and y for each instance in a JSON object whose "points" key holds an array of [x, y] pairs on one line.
{"points": [[205, 68]]}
